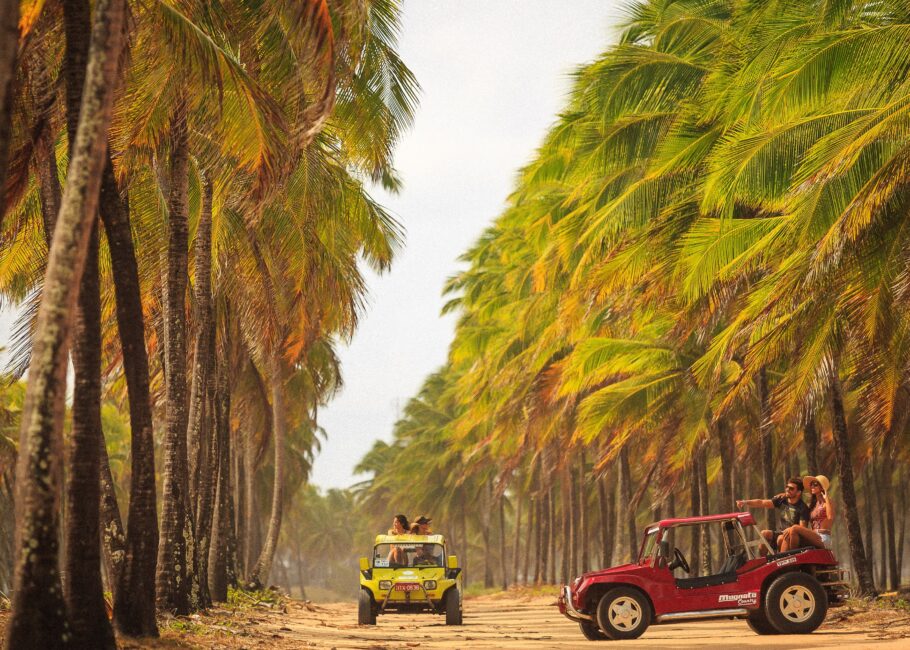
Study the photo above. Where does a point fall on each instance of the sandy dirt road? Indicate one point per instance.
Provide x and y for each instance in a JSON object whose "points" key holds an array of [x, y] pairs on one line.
{"points": [[531, 622]]}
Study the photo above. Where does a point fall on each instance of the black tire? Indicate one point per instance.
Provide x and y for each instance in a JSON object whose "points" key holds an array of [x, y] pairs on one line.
{"points": [[592, 632], [366, 614], [759, 624], [623, 613], [795, 603], [453, 607]]}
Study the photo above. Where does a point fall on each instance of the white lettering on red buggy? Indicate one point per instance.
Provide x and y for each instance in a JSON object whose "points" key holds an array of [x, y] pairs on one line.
{"points": [[746, 598]]}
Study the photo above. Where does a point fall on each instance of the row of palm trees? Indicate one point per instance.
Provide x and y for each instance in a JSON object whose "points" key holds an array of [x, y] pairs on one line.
{"points": [[698, 289], [133, 130]]}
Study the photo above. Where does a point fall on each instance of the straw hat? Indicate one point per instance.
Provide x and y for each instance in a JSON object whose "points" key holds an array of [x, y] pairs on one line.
{"points": [[821, 479]]}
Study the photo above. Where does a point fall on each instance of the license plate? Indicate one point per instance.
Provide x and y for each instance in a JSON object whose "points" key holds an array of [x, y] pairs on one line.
{"points": [[407, 586]]}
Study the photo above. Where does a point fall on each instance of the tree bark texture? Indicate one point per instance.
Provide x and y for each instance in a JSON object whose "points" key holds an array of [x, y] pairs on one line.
{"points": [[134, 597], [810, 439], [263, 566], [502, 543], [583, 514], [845, 474], [516, 548], [221, 521], [765, 434], [172, 590], [9, 45], [625, 475], [113, 537], [724, 439], [37, 619]]}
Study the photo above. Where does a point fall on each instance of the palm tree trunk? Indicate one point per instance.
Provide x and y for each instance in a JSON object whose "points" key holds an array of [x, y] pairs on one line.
{"points": [[551, 537], [583, 514], [571, 505], [134, 597], [9, 46], [538, 540], [724, 439], [221, 521], [516, 548], [251, 520], [113, 540], [704, 508], [38, 618], [845, 473], [172, 591], [902, 527], [565, 538], [502, 543], [625, 477], [810, 439], [766, 430], [695, 509], [263, 566], [607, 496], [83, 590]]}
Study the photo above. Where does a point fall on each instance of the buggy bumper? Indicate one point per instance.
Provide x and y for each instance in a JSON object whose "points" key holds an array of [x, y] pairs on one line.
{"points": [[568, 609]]}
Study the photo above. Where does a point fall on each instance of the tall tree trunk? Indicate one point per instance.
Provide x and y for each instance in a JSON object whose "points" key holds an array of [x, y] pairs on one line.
{"points": [[113, 539], [38, 618], [485, 514], [503, 563], [221, 524], [695, 506], [172, 590], [606, 491], [571, 505], [551, 536], [845, 473], [810, 440], [565, 525], [83, 590], [134, 598], [704, 508], [902, 527], [583, 514], [200, 433], [724, 439], [251, 520], [538, 539], [766, 433], [516, 548], [263, 566], [625, 476], [9, 46]]}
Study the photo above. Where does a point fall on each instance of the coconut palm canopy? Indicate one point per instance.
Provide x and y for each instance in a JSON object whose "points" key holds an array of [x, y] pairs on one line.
{"points": [[696, 291]]}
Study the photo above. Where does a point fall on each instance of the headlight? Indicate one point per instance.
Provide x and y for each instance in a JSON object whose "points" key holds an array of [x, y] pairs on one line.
{"points": [[385, 584], [429, 585]]}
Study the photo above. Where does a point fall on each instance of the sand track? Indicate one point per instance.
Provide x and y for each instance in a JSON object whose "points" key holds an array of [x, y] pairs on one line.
{"points": [[513, 622]]}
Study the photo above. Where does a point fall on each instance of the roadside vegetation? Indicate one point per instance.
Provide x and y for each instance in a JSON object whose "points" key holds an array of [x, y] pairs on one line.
{"points": [[698, 289], [186, 220]]}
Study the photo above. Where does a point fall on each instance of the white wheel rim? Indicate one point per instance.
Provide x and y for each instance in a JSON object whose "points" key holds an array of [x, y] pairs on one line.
{"points": [[797, 603], [625, 613]]}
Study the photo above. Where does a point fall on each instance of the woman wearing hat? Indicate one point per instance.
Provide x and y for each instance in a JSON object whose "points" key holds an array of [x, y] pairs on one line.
{"points": [[821, 518]]}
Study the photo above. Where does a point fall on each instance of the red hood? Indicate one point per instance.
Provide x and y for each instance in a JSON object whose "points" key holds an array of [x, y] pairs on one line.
{"points": [[622, 568]]}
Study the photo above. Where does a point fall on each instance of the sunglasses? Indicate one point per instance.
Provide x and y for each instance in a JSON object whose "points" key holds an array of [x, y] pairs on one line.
{"points": [[815, 484]]}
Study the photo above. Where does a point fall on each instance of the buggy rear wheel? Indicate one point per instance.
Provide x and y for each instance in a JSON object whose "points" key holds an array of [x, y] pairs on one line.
{"points": [[759, 624], [795, 603], [366, 614]]}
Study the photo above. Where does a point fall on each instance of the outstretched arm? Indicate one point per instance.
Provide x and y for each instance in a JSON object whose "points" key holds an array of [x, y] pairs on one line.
{"points": [[754, 503]]}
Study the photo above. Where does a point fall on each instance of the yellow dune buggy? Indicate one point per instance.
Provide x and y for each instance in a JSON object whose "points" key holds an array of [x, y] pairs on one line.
{"points": [[409, 574]]}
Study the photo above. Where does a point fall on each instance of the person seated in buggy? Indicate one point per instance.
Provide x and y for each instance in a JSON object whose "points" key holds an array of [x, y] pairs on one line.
{"points": [[791, 510]]}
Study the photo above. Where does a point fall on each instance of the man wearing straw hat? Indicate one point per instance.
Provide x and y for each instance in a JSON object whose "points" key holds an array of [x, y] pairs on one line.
{"points": [[821, 518]]}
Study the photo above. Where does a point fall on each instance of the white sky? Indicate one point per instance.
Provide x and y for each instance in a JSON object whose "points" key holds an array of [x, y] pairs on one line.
{"points": [[494, 75]]}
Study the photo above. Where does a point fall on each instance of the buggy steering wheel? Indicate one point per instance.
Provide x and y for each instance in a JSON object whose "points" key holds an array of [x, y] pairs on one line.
{"points": [[679, 561]]}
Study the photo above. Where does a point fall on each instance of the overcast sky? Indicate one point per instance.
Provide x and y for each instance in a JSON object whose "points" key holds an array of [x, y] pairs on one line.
{"points": [[494, 75]]}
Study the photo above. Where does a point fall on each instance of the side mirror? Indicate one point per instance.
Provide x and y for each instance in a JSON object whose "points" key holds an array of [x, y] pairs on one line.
{"points": [[453, 562], [365, 568]]}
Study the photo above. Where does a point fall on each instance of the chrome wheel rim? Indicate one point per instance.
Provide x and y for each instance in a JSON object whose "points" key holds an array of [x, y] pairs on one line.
{"points": [[624, 613], [797, 603]]}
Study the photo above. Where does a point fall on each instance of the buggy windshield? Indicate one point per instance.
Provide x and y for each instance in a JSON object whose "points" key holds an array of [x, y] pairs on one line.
{"points": [[408, 554]]}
